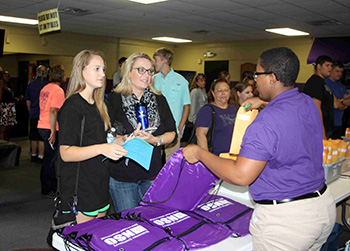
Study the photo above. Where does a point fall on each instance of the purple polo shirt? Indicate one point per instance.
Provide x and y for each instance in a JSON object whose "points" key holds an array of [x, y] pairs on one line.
{"points": [[287, 134]]}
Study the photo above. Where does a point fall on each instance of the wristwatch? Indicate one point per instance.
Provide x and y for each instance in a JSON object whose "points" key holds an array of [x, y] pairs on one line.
{"points": [[160, 141]]}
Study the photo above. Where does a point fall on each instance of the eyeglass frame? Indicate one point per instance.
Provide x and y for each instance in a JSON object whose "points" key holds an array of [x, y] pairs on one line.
{"points": [[140, 69], [255, 74]]}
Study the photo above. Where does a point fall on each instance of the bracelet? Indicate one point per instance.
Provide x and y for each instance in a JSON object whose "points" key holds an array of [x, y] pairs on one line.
{"points": [[160, 141]]}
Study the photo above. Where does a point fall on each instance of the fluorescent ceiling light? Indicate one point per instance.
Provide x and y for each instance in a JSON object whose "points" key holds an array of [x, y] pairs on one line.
{"points": [[288, 32], [148, 1], [172, 39], [18, 20]]}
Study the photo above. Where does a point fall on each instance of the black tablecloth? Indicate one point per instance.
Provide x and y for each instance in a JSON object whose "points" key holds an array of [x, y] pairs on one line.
{"points": [[9, 154]]}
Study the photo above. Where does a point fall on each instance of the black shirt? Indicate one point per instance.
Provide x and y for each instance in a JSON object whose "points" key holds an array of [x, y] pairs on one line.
{"points": [[93, 173], [134, 172], [316, 88]]}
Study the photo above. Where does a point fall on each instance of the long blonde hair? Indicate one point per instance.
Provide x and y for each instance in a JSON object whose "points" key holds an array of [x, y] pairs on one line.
{"points": [[125, 86], [77, 82], [196, 79]]}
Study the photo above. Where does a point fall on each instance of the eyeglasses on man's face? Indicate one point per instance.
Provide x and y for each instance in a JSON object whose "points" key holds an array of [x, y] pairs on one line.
{"points": [[143, 70], [256, 74]]}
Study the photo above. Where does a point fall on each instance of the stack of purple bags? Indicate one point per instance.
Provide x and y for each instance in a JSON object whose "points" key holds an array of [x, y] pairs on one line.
{"points": [[176, 213]]}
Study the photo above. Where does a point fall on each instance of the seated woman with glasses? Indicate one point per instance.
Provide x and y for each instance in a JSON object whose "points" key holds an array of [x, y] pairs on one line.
{"points": [[218, 97], [129, 181]]}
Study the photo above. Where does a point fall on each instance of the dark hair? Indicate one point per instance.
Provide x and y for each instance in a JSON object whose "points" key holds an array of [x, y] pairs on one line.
{"points": [[337, 64], [322, 59], [122, 60], [165, 53], [223, 75], [239, 87], [212, 88], [56, 73], [283, 62], [247, 74]]}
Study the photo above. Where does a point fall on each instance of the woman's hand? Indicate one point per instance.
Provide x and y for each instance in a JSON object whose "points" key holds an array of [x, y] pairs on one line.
{"points": [[113, 151], [253, 103], [148, 137], [191, 153]]}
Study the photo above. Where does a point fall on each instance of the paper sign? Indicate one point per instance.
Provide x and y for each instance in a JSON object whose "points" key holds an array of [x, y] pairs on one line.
{"points": [[49, 21], [139, 151], [243, 120]]}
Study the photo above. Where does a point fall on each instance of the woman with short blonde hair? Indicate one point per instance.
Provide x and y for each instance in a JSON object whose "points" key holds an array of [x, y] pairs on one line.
{"points": [[129, 181]]}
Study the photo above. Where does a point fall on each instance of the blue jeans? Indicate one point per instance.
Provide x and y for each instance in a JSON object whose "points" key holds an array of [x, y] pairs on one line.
{"points": [[47, 173], [127, 195]]}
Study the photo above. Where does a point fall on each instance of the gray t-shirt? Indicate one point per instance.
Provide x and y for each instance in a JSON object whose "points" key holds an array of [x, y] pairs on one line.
{"points": [[198, 100]]}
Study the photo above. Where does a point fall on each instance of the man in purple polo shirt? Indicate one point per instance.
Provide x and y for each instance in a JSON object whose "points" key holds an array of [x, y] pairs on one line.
{"points": [[281, 161]]}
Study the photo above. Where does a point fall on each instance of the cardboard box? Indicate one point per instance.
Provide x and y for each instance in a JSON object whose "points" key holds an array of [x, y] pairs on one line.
{"points": [[332, 171]]}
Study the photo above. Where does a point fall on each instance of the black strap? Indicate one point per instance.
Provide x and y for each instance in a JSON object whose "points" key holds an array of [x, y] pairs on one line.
{"points": [[81, 144], [75, 196], [210, 134], [172, 193], [156, 243]]}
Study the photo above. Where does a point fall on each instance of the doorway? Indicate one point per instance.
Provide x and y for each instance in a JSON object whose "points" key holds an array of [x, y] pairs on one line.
{"points": [[212, 70]]}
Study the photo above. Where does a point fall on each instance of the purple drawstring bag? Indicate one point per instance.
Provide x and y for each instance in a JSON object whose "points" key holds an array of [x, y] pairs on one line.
{"points": [[180, 185], [194, 232], [72, 233], [219, 209], [121, 234]]}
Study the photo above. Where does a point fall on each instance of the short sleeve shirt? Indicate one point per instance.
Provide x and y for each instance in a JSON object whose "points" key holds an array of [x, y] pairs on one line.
{"points": [[198, 100], [287, 134], [316, 88], [224, 124], [93, 173], [175, 89], [52, 95], [32, 94], [338, 89]]}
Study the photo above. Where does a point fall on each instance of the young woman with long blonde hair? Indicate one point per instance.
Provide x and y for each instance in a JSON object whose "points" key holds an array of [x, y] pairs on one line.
{"points": [[85, 99]]}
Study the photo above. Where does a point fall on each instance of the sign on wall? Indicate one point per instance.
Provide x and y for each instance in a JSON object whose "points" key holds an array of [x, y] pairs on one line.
{"points": [[49, 21]]}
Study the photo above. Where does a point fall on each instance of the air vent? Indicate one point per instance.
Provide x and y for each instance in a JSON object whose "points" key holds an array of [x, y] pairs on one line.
{"points": [[201, 32], [74, 11], [325, 22]]}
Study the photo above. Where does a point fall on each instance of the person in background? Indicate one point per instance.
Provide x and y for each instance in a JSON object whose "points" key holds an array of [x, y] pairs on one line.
{"points": [[51, 99], [129, 181], [198, 96], [7, 106], [117, 75], [240, 93], [317, 89], [341, 95], [225, 75], [294, 210], [175, 89], [250, 80], [218, 97], [32, 99], [85, 99]]}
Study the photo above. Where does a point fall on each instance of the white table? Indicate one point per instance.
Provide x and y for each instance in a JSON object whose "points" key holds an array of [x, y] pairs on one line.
{"points": [[340, 189]]}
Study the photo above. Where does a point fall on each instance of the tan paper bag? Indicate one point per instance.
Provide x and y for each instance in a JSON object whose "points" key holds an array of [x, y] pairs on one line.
{"points": [[243, 120]]}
